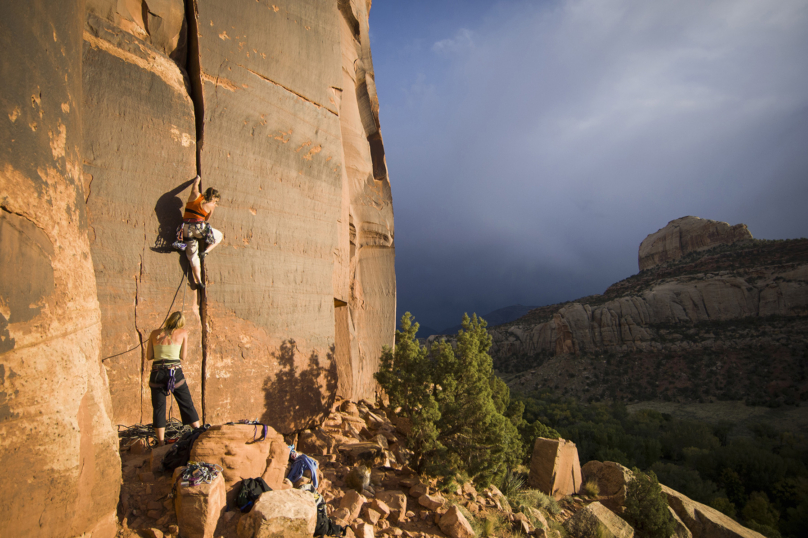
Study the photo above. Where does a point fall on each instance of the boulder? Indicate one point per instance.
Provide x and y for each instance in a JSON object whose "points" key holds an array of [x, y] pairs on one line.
{"points": [[364, 452], [454, 524], [431, 502], [597, 520], [393, 499], [290, 513], [364, 530], [611, 478], [353, 502], [704, 521], [555, 468], [380, 507], [684, 235], [237, 449], [199, 507]]}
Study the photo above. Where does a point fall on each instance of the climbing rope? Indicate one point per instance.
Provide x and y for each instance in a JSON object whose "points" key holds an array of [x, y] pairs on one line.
{"points": [[129, 435], [140, 345]]}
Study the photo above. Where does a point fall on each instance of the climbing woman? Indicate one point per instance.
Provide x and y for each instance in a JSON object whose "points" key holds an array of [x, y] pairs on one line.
{"points": [[167, 347], [195, 227]]}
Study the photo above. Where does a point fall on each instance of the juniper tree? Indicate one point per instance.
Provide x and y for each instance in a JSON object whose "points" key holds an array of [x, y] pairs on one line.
{"points": [[458, 426]]}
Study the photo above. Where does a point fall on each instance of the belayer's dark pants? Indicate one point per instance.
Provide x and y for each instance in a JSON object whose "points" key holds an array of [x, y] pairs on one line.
{"points": [[181, 394]]}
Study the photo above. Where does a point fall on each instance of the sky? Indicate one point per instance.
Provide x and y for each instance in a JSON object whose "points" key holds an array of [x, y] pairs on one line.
{"points": [[532, 146]]}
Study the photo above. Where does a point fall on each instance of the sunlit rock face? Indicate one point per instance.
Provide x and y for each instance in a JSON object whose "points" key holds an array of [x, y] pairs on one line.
{"points": [[275, 105], [111, 107], [685, 235], [58, 447]]}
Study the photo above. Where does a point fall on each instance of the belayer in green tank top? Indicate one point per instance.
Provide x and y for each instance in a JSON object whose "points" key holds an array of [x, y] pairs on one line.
{"points": [[167, 348]]}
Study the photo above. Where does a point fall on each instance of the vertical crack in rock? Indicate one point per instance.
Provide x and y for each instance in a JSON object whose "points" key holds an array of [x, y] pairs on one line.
{"points": [[140, 335], [194, 69]]}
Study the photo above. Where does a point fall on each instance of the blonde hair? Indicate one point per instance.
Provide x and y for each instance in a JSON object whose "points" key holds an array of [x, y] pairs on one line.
{"points": [[175, 321]]}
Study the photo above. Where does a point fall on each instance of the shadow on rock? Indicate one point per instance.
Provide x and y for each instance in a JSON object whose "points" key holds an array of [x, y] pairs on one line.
{"points": [[169, 214], [299, 398]]}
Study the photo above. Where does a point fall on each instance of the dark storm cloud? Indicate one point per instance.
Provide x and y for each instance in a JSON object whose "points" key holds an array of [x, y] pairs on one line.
{"points": [[533, 145]]}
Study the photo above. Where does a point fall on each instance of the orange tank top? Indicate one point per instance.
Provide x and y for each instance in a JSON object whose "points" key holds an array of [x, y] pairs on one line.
{"points": [[194, 211]]}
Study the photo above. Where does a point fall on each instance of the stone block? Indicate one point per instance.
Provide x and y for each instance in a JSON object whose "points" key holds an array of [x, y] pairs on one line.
{"points": [[454, 524], [555, 468], [290, 513], [199, 507], [395, 500], [704, 521], [431, 502], [353, 502]]}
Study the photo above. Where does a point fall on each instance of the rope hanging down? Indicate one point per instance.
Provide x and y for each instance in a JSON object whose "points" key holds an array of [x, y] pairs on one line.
{"points": [[140, 345]]}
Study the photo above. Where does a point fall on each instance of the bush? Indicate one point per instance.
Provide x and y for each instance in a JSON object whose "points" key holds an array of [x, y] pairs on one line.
{"points": [[454, 402], [591, 489], [646, 507], [536, 499], [724, 505]]}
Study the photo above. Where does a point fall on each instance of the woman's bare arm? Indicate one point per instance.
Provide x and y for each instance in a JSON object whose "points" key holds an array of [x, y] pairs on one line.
{"points": [[195, 192], [184, 348]]}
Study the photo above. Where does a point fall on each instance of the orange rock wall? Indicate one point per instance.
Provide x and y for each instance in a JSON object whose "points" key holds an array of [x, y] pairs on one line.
{"points": [[275, 105], [58, 447]]}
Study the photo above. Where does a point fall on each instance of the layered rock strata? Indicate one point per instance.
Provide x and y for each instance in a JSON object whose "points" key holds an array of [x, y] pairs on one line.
{"points": [[58, 448], [738, 301]]}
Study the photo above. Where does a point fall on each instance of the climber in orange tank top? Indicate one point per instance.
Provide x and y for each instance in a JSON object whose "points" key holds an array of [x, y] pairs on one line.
{"points": [[195, 227]]}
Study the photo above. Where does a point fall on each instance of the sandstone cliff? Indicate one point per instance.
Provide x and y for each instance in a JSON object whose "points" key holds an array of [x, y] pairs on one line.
{"points": [[113, 107], [724, 311], [685, 235]]}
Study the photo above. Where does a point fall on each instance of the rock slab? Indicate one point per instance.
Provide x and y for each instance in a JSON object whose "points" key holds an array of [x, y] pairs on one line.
{"points": [[597, 520], [555, 468], [199, 507], [291, 513], [704, 521]]}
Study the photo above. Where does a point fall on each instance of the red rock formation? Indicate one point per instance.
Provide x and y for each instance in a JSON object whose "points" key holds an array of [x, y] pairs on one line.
{"points": [[279, 104], [685, 235], [58, 449]]}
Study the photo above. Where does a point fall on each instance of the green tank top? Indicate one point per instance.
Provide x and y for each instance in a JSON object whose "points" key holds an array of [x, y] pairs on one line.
{"points": [[167, 355]]}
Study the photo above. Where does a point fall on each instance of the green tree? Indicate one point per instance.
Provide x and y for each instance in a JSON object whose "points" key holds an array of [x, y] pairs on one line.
{"points": [[760, 510], [647, 508], [454, 402]]}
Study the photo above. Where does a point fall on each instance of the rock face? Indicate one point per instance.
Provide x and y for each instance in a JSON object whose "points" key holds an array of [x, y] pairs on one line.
{"points": [[685, 235], [275, 106], [704, 521], [57, 442], [597, 520], [555, 468], [725, 302], [110, 108]]}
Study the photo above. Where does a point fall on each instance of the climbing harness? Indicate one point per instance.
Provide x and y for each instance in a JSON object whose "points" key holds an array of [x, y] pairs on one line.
{"points": [[140, 345], [199, 472]]}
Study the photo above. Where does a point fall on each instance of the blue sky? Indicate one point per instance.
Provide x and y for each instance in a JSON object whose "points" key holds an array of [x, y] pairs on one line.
{"points": [[533, 145]]}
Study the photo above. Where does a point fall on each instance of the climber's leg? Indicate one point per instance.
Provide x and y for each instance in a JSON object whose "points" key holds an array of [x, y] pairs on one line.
{"points": [[217, 238]]}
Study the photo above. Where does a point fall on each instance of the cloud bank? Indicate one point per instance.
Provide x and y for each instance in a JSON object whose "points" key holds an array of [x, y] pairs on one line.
{"points": [[533, 148]]}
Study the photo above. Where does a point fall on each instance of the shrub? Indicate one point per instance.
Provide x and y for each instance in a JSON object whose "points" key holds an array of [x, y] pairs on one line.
{"points": [[536, 499], [646, 507], [454, 402], [760, 510], [723, 505], [591, 489]]}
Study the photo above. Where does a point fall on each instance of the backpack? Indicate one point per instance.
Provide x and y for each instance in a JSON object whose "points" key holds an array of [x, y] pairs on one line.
{"points": [[179, 454], [251, 489], [325, 526]]}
